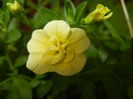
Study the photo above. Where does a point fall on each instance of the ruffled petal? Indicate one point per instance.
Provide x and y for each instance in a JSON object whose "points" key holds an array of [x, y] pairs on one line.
{"points": [[69, 57], [59, 28], [72, 67], [40, 36], [34, 46], [36, 64], [82, 45], [78, 41], [52, 57], [76, 35], [38, 42]]}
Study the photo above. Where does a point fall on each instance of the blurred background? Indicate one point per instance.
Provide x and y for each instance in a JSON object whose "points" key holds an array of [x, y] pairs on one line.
{"points": [[108, 73]]}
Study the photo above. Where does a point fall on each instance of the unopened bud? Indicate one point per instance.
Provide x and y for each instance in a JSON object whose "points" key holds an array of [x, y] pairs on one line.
{"points": [[14, 7], [100, 13]]}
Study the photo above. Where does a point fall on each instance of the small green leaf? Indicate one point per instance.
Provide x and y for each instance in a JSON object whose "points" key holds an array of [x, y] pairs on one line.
{"points": [[4, 16], [92, 52], [21, 2], [113, 31], [11, 47], [116, 36], [43, 16], [80, 10], [13, 35], [13, 24], [69, 11], [102, 54], [34, 83], [111, 45], [20, 61], [20, 89]]}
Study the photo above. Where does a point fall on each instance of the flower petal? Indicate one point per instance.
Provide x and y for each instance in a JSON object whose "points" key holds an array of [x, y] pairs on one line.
{"points": [[59, 28], [38, 42], [53, 58], [76, 35], [72, 67], [69, 57], [82, 45], [34, 46], [78, 40], [36, 64], [40, 36]]}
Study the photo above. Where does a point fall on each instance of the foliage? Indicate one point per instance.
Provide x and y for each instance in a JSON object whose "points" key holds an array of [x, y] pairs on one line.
{"points": [[108, 73]]}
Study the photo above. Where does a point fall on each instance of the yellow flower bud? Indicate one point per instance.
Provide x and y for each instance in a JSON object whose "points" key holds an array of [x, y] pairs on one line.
{"points": [[57, 48], [14, 7], [100, 13]]}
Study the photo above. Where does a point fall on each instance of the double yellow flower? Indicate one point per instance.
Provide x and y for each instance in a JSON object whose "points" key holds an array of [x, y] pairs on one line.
{"points": [[57, 48]]}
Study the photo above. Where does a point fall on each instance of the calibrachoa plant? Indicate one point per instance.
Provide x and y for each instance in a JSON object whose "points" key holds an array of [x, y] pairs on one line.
{"points": [[58, 48], [66, 49]]}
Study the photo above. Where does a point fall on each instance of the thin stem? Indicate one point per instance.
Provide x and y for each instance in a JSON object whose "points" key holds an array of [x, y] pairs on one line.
{"points": [[5, 81], [12, 68], [27, 21], [127, 17]]}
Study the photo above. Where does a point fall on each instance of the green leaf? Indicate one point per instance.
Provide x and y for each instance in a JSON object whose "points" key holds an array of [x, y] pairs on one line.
{"points": [[113, 31], [80, 10], [43, 16], [102, 54], [11, 47], [20, 89], [92, 52], [4, 16], [20, 61], [111, 45], [44, 88], [13, 35], [34, 83], [5, 85], [69, 11], [115, 35], [21, 2], [12, 95], [13, 24]]}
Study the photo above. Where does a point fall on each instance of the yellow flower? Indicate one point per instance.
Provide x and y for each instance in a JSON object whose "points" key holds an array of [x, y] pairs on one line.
{"points": [[57, 48], [14, 7], [100, 13]]}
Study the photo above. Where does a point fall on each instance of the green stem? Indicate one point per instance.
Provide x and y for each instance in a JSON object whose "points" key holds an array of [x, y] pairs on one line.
{"points": [[26, 20], [127, 17], [5, 81], [12, 68]]}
